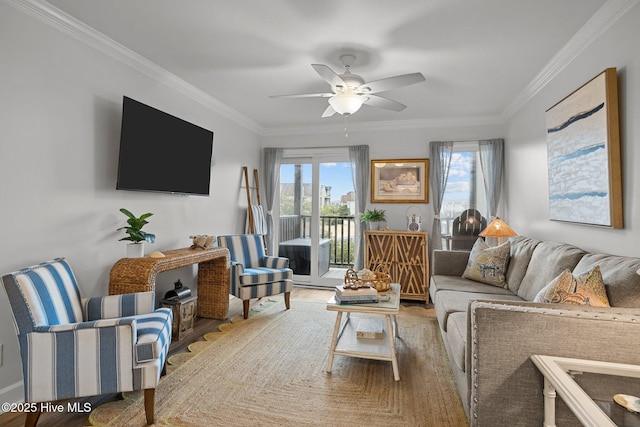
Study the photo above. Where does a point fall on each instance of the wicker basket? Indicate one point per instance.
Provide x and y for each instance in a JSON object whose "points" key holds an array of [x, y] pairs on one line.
{"points": [[381, 282]]}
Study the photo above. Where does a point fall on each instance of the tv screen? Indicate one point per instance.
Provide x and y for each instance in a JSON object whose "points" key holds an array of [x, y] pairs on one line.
{"points": [[160, 152]]}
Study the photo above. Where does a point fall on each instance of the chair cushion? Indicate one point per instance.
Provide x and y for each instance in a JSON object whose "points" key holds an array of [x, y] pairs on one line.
{"points": [[257, 275], [246, 249], [50, 293], [153, 331]]}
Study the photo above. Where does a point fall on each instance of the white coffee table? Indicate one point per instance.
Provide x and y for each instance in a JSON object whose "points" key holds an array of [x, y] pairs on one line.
{"points": [[345, 341], [557, 378]]}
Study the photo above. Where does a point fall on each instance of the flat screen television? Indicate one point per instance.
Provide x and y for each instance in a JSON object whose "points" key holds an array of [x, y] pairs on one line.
{"points": [[161, 152]]}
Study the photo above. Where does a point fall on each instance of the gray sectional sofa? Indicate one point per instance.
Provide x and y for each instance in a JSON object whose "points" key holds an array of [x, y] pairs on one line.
{"points": [[490, 332]]}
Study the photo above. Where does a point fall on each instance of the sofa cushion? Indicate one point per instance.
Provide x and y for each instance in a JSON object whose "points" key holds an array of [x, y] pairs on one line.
{"points": [[449, 263], [457, 338], [519, 258], [457, 283], [549, 259], [619, 276], [488, 264], [585, 289], [448, 302]]}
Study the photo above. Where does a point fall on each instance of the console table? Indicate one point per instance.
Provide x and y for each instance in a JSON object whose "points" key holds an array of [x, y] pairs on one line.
{"points": [[130, 275]]}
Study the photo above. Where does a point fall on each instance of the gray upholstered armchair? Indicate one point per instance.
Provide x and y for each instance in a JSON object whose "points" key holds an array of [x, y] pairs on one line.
{"points": [[73, 347]]}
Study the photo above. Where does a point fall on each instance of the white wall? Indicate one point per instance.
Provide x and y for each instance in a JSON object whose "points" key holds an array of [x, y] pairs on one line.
{"points": [[526, 156], [60, 111], [390, 144]]}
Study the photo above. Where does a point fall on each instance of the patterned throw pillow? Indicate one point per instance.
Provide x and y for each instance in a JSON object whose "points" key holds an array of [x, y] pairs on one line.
{"points": [[586, 289], [488, 264]]}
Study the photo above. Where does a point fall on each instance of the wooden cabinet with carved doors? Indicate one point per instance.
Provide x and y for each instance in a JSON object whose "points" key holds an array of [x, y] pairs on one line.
{"points": [[404, 255]]}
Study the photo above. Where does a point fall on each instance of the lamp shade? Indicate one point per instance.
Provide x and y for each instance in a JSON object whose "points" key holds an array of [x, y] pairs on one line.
{"points": [[346, 103], [498, 228]]}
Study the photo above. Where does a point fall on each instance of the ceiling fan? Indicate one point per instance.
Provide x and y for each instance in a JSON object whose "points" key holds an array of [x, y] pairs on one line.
{"points": [[350, 91]]}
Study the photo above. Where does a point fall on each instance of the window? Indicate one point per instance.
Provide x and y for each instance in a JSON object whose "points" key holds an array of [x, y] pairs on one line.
{"points": [[465, 186]]}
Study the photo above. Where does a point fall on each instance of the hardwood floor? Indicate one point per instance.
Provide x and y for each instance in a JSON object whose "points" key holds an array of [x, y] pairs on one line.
{"points": [[201, 327]]}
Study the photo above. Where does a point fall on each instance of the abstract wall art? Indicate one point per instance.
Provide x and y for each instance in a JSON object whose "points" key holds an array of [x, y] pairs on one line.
{"points": [[583, 155]]}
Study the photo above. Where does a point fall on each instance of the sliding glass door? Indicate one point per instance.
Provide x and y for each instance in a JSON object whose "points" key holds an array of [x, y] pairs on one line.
{"points": [[316, 215]]}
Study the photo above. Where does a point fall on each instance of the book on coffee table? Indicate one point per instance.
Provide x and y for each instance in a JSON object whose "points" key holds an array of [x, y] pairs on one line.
{"points": [[345, 291], [358, 299]]}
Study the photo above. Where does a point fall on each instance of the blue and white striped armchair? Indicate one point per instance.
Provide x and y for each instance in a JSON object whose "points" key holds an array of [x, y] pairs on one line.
{"points": [[253, 274], [73, 347]]}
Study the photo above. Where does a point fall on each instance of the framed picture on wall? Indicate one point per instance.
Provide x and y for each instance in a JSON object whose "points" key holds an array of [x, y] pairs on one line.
{"points": [[583, 155], [400, 181]]}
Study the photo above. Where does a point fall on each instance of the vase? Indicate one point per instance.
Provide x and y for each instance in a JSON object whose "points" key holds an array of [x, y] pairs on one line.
{"points": [[135, 250], [374, 225]]}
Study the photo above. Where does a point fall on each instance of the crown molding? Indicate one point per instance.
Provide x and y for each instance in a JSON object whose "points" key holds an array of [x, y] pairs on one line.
{"points": [[601, 21], [386, 125], [50, 15]]}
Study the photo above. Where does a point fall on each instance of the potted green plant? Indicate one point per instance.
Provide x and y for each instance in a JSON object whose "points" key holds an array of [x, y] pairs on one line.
{"points": [[374, 217], [135, 235]]}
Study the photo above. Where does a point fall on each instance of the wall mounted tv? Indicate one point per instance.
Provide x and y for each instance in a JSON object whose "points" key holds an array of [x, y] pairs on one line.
{"points": [[160, 152]]}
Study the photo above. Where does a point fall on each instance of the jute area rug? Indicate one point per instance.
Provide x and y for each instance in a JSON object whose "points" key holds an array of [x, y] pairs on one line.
{"points": [[270, 370]]}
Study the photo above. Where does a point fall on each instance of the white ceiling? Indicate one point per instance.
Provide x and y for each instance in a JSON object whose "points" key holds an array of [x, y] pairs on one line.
{"points": [[478, 57]]}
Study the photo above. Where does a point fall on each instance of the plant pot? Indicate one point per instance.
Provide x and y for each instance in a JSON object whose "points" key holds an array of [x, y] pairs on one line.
{"points": [[135, 250], [374, 225]]}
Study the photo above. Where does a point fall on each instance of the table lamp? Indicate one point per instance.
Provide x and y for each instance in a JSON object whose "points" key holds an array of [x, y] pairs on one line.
{"points": [[498, 229]]}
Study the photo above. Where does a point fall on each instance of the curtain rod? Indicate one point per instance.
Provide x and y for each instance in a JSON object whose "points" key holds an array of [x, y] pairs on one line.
{"points": [[468, 140], [314, 148]]}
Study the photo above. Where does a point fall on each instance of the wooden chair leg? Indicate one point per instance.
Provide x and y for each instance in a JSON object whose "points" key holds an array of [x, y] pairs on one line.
{"points": [[32, 418], [287, 300], [149, 403], [245, 308]]}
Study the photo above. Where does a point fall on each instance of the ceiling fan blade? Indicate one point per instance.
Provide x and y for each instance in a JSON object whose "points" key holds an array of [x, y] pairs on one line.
{"points": [[329, 75], [390, 83], [382, 102], [304, 95], [328, 112]]}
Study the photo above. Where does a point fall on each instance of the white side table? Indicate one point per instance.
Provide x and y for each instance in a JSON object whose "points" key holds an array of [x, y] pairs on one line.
{"points": [[557, 378], [345, 342]]}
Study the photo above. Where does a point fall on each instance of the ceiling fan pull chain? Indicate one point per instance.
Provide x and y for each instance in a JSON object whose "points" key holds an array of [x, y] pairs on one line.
{"points": [[346, 132]]}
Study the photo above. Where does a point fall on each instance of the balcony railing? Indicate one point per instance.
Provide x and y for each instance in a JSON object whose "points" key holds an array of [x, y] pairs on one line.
{"points": [[340, 230]]}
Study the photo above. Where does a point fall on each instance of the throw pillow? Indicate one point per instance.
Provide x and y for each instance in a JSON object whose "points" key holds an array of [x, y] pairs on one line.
{"points": [[586, 289], [488, 264]]}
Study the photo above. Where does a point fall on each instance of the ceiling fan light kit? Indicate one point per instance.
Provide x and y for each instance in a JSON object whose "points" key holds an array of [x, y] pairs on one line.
{"points": [[350, 91], [346, 103]]}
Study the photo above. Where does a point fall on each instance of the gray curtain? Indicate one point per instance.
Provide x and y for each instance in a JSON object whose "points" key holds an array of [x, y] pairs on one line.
{"points": [[492, 164], [359, 156], [271, 159], [440, 161]]}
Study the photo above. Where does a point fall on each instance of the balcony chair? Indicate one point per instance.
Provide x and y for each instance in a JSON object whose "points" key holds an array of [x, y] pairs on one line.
{"points": [[466, 228], [73, 347], [253, 274]]}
